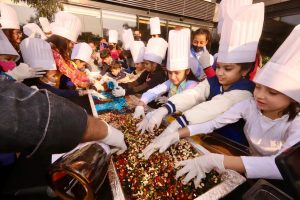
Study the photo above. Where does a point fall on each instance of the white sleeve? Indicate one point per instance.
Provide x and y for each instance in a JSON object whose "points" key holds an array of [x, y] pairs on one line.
{"points": [[265, 167], [232, 115], [155, 92], [189, 98], [217, 105]]}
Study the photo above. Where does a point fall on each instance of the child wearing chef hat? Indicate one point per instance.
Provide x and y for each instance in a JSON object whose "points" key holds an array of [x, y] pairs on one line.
{"points": [[178, 69], [239, 40]]}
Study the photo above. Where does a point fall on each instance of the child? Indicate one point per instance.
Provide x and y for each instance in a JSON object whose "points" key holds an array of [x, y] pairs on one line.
{"points": [[154, 75], [112, 44], [106, 61], [272, 120], [116, 71], [215, 95], [81, 55], [178, 69]]}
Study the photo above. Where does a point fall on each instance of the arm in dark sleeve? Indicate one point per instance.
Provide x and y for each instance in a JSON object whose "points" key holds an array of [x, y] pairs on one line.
{"points": [[59, 92], [38, 122], [136, 86]]}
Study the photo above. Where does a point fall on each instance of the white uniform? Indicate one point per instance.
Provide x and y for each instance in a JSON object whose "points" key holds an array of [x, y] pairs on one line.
{"points": [[267, 138]]}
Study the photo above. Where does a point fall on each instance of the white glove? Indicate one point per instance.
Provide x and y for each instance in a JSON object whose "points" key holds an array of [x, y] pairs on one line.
{"points": [[139, 112], [96, 94], [23, 71], [162, 100], [141, 126], [118, 92], [98, 85], [205, 59], [197, 167], [172, 128], [115, 138], [161, 143], [156, 118]]}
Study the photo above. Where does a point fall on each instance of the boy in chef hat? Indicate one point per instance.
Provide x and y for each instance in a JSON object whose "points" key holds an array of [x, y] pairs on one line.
{"points": [[178, 69], [272, 120], [154, 54], [239, 40]]}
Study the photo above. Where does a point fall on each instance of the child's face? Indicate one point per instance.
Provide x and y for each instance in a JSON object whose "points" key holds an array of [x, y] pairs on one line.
{"points": [[108, 60], [199, 41], [7, 58], [116, 71], [139, 66], [270, 101], [229, 73], [80, 65], [176, 77], [17, 36], [149, 66]]}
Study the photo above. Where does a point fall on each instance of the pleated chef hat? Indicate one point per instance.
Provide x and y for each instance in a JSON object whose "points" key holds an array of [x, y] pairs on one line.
{"points": [[229, 6], [156, 50], [282, 72], [66, 25], [113, 36], [127, 38], [6, 48], [179, 49], [8, 17], [137, 49], [32, 29], [82, 51], [45, 24], [154, 26], [37, 54], [240, 34]]}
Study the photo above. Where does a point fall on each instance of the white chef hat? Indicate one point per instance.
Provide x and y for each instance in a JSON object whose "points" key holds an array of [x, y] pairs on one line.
{"points": [[8, 17], [154, 26], [37, 54], [32, 30], [137, 49], [282, 72], [229, 6], [82, 51], [66, 25], [6, 48], [240, 34], [179, 49], [45, 24], [113, 36], [156, 50], [127, 38]]}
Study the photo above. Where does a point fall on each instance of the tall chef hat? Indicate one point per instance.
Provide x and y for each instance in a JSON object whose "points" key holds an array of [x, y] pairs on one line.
{"points": [[154, 26], [32, 30], [66, 25], [240, 34], [282, 72], [82, 51], [127, 38], [179, 49], [8, 17], [137, 49], [113, 36], [229, 6], [156, 50], [37, 54], [45, 24], [6, 48]]}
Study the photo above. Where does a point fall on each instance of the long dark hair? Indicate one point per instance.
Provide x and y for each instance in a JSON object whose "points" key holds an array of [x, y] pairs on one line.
{"points": [[203, 31], [292, 110], [9, 34], [62, 44]]}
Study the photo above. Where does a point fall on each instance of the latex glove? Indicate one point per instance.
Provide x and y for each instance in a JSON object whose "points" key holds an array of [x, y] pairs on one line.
{"points": [[197, 167], [141, 126], [115, 138], [96, 94], [23, 71], [156, 118], [205, 59], [172, 128], [139, 112], [162, 99], [98, 85], [161, 143], [118, 92]]}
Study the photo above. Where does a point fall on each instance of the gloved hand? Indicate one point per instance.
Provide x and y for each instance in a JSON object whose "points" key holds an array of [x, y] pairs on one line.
{"points": [[156, 118], [161, 143], [115, 138], [205, 59], [141, 126], [162, 99], [139, 112], [96, 94], [23, 71], [118, 92], [172, 128], [98, 85], [197, 167]]}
